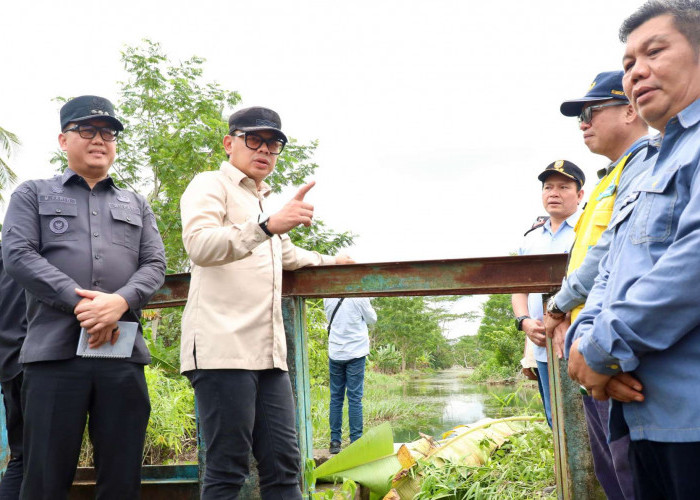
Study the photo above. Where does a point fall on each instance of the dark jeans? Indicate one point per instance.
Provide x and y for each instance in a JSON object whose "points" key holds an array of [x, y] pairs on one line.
{"points": [[57, 397], [610, 460], [12, 480], [346, 376], [240, 410], [665, 471]]}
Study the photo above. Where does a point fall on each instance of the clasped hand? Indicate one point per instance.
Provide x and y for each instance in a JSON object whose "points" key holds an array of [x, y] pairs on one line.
{"points": [[98, 313]]}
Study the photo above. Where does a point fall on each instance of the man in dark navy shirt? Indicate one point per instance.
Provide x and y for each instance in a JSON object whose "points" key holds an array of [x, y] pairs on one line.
{"points": [[88, 254], [13, 329]]}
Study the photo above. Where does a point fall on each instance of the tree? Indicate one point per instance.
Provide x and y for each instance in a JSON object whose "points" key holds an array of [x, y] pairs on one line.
{"points": [[412, 326], [8, 141], [499, 343]]}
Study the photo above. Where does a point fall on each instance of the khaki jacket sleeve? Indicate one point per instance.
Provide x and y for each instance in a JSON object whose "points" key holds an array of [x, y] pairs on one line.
{"points": [[209, 238], [294, 257]]}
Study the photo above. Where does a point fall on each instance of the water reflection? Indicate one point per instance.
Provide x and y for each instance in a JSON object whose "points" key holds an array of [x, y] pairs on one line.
{"points": [[458, 402]]}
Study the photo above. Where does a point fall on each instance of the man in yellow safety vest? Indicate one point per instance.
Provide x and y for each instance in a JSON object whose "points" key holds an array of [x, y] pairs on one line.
{"points": [[611, 128]]}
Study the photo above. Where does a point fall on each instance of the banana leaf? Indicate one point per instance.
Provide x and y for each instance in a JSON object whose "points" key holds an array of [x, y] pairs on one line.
{"points": [[369, 461], [470, 445]]}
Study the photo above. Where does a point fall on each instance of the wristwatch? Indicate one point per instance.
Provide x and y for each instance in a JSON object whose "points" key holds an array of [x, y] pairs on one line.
{"points": [[519, 322], [263, 219], [553, 309]]}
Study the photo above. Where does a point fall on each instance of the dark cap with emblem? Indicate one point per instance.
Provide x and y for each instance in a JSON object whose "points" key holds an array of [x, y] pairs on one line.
{"points": [[254, 119], [565, 168], [606, 86], [89, 107]]}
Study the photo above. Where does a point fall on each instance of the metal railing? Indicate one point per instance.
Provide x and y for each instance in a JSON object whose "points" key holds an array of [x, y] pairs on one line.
{"points": [[524, 274]]}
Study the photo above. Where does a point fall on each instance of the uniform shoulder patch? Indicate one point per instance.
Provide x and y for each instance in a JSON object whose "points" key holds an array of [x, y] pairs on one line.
{"points": [[539, 222]]}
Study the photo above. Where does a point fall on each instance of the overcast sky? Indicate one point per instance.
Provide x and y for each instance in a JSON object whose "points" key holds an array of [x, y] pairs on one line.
{"points": [[433, 117]]}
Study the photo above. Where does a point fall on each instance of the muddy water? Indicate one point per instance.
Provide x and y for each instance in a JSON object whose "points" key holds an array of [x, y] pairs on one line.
{"points": [[458, 402]]}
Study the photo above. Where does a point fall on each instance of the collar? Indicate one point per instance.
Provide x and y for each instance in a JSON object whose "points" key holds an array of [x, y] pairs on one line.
{"points": [[690, 116], [571, 221], [69, 174], [635, 145], [238, 177]]}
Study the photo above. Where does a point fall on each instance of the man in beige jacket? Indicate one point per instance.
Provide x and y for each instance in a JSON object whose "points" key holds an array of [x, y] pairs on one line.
{"points": [[233, 346]]}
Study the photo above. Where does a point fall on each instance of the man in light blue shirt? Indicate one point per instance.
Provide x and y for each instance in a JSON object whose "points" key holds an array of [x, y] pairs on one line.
{"points": [[562, 183], [348, 346], [638, 338]]}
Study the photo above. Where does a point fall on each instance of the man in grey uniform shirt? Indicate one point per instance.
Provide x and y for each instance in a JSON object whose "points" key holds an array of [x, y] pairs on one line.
{"points": [[88, 254], [13, 329]]}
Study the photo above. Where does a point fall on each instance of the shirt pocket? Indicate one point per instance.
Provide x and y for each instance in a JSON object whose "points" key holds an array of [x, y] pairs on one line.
{"points": [[126, 229], [652, 220], [58, 221]]}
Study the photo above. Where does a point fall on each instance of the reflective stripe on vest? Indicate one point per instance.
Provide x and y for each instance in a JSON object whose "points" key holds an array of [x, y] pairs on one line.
{"points": [[595, 219]]}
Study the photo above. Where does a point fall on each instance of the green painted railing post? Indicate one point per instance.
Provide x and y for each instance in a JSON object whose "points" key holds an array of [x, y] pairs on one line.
{"points": [[573, 461], [294, 314]]}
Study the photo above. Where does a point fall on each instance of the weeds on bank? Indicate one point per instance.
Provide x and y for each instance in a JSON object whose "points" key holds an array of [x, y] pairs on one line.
{"points": [[522, 468], [383, 401]]}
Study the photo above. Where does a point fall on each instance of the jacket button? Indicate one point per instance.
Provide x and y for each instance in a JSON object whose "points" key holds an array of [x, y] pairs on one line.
{"points": [[94, 212], [58, 210]]}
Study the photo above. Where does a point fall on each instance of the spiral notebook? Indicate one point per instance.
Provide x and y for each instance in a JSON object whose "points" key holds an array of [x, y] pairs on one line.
{"points": [[122, 349]]}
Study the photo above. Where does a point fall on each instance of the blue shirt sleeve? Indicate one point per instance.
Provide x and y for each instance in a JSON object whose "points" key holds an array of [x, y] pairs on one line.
{"points": [[660, 307]]}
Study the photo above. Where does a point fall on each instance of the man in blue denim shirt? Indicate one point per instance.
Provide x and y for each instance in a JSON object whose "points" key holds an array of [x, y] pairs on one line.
{"points": [[642, 315]]}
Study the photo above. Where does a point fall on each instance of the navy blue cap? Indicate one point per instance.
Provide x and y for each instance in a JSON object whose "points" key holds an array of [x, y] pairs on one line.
{"points": [[88, 107], [565, 168], [606, 86], [254, 119]]}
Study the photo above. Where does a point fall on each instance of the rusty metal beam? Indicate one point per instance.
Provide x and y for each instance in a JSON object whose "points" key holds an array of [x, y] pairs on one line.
{"points": [[524, 274], [531, 273]]}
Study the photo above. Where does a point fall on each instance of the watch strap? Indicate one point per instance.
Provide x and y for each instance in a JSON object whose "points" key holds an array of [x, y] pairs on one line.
{"points": [[519, 322]]}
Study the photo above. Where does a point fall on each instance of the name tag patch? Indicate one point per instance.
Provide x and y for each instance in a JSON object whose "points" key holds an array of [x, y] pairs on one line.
{"points": [[125, 207], [59, 199], [58, 225]]}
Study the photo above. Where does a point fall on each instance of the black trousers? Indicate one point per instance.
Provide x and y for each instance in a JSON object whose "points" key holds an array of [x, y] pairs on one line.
{"points": [[57, 397], [240, 410], [665, 471], [14, 423]]}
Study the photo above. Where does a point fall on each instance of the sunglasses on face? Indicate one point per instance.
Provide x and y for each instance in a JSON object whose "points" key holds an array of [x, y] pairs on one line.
{"points": [[587, 113], [90, 131]]}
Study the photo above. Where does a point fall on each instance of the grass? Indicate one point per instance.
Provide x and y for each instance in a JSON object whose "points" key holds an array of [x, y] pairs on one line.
{"points": [[382, 402], [523, 468]]}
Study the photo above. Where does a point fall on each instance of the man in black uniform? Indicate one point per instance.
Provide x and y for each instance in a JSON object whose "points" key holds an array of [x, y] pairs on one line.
{"points": [[13, 329], [88, 254]]}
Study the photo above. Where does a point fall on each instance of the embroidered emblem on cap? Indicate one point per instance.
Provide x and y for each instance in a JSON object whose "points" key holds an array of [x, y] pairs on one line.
{"points": [[592, 85], [58, 225], [123, 198], [559, 165], [265, 123], [57, 189]]}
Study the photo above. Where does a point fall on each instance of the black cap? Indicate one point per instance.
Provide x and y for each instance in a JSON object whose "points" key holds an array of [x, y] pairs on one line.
{"points": [[565, 168], [88, 107], [256, 118]]}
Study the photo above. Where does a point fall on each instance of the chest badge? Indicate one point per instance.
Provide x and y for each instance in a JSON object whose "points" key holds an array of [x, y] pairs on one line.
{"points": [[123, 198], [57, 189], [58, 225]]}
